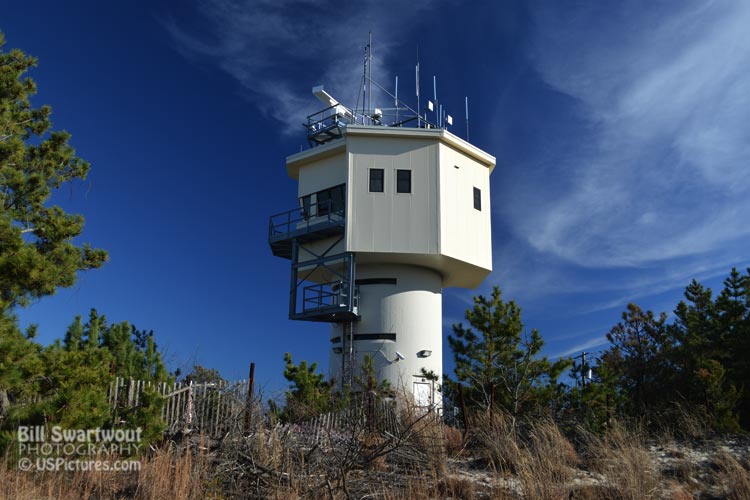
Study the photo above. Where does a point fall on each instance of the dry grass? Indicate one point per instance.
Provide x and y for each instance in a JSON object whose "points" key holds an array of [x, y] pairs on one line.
{"points": [[622, 457], [542, 462], [425, 440], [685, 422], [494, 440], [420, 460], [172, 474], [733, 477], [164, 474], [455, 441], [545, 466], [428, 487]]}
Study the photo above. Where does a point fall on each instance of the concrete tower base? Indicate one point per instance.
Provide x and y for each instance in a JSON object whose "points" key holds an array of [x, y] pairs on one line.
{"points": [[401, 330]]}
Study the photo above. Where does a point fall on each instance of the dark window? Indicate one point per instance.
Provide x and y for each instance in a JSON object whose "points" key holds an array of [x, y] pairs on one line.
{"points": [[376, 180], [403, 181], [306, 202], [478, 199], [331, 200]]}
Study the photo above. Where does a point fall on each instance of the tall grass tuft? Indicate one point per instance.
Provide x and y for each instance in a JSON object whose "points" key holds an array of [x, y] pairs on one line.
{"points": [[166, 473], [545, 464], [494, 440], [622, 457], [733, 476]]}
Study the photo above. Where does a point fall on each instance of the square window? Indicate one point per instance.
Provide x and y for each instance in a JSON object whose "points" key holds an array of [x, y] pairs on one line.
{"points": [[377, 176], [478, 199], [403, 181]]}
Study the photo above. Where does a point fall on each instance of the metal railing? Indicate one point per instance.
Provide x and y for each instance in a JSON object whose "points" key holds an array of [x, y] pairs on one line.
{"points": [[324, 295], [304, 219], [326, 124]]}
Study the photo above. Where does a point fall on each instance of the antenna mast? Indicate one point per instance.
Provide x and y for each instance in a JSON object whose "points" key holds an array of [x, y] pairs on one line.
{"points": [[419, 110], [369, 76], [434, 96], [395, 99], [467, 118]]}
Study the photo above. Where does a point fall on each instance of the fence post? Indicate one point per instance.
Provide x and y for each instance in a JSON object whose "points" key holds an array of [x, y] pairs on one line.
{"points": [[189, 418], [131, 392], [370, 401], [463, 408], [249, 400]]}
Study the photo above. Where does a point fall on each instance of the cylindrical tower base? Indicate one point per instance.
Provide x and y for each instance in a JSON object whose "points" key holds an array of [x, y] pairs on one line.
{"points": [[400, 330]]}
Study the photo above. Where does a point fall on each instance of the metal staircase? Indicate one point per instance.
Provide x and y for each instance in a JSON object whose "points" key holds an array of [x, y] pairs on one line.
{"points": [[322, 282]]}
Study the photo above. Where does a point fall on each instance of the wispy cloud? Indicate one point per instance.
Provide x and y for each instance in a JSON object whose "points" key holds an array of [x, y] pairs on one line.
{"points": [[662, 172], [278, 49], [596, 341]]}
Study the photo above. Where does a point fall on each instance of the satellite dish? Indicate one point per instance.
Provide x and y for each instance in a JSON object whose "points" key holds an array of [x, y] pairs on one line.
{"points": [[400, 356]]}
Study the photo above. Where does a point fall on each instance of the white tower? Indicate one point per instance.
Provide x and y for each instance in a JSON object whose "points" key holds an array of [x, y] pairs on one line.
{"points": [[388, 216]]}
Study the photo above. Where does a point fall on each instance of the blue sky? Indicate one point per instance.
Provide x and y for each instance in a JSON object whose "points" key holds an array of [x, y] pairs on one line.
{"points": [[621, 132]]}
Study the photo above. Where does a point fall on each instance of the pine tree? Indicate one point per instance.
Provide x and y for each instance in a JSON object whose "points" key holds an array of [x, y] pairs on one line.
{"points": [[310, 393], [74, 335], [93, 329], [733, 323], [639, 357], [708, 351], [497, 364], [37, 253]]}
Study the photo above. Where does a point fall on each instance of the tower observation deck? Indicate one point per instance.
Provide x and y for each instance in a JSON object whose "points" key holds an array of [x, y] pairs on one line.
{"points": [[386, 217]]}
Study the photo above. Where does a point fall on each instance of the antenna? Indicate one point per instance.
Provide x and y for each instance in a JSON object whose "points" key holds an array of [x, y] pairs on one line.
{"points": [[324, 96], [369, 77], [364, 89], [583, 367], [434, 95], [467, 118], [331, 102], [434, 115], [395, 98], [419, 109]]}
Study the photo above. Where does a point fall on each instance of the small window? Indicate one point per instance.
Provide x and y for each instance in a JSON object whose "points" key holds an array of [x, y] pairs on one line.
{"points": [[403, 181], [478, 199], [376, 180], [324, 202], [306, 204]]}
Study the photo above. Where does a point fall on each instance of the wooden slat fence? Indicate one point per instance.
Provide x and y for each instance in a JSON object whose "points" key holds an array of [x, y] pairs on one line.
{"points": [[215, 409], [208, 408], [341, 425]]}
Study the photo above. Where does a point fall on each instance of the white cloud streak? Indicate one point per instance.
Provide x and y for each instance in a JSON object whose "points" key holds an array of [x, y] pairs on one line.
{"points": [[277, 50], [664, 171], [598, 341]]}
